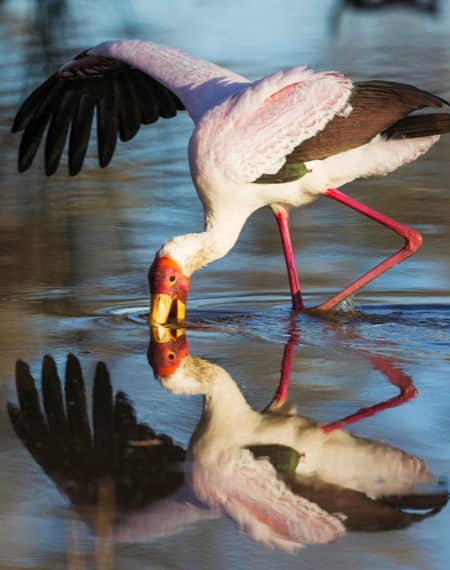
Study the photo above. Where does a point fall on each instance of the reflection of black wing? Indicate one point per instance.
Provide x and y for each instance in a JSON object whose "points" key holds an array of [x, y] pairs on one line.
{"points": [[123, 98], [370, 515], [143, 466], [361, 512]]}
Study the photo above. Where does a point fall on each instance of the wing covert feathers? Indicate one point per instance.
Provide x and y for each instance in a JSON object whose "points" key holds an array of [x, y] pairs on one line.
{"points": [[376, 106], [274, 116], [122, 97]]}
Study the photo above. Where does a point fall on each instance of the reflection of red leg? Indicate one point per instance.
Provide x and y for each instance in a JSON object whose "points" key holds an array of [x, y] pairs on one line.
{"points": [[413, 240], [393, 373], [281, 215], [396, 376], [281, 394]]}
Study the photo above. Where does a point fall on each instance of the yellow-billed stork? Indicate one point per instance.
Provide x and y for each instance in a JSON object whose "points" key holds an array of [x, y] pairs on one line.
{"points": [[280, 142]]}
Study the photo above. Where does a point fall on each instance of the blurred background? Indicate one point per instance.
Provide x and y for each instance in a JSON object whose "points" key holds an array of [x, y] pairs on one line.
{"points": [[74, 254]]}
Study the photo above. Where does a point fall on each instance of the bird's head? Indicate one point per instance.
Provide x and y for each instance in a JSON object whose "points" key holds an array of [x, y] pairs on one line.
{"points": [[169, 288], [167, 350], [175, 369]]}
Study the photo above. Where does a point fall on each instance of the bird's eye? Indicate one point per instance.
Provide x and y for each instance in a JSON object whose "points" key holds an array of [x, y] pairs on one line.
{"points": [[171, 356], [172, 278]]}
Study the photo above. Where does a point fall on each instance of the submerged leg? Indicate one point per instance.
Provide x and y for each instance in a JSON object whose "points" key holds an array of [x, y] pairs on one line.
{"points": [[413, 240], [282, 217]]}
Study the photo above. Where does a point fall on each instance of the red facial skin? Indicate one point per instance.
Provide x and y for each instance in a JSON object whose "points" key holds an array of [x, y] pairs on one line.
{"points": [[166, 357], [165, 276]]}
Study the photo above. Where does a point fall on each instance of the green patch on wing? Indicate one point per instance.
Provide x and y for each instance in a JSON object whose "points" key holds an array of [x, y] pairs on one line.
{"points": [[287, 173], [284, 459]]}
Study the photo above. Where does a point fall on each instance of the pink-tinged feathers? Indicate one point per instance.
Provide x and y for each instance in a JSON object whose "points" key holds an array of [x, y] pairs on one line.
{"points": [[273, 116], [250, 493]]}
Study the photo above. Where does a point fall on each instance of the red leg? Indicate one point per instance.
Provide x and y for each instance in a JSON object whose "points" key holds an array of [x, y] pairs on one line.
{"points": [[413, 240], [397, 377], [281, 395], [282, 217]]}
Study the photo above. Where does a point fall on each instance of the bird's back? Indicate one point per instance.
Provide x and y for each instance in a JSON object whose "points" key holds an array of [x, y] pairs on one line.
{"points": [[372, 467]]}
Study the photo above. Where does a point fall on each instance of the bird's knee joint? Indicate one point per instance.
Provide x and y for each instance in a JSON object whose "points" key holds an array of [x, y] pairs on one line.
{"points": [[414, 241]]}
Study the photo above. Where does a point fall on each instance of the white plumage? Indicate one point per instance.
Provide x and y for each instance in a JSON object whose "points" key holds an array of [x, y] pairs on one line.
{"points": [[278, 142], [225, 474]]}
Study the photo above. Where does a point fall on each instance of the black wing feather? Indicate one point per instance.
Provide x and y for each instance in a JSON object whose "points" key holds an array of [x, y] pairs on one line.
{"points": [[102, 408], [419, 126], [107, 126], [130, 112], [79, 134], [57, 132], [35, 127], [52, 396], [76, 407], [123, 97], [166, 100], [31, 104], [149, 102]]}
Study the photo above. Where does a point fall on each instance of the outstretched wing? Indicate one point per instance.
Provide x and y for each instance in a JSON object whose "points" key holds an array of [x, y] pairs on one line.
{"points": [[128, 84], [143, 465], [123, 97]]}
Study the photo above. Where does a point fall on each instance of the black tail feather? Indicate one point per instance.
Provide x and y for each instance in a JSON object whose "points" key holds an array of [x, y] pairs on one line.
{"points": [[419, 126]]}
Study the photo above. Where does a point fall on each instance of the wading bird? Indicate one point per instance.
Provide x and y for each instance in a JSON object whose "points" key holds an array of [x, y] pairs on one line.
{"points": [[284, 477], [280, 142]]}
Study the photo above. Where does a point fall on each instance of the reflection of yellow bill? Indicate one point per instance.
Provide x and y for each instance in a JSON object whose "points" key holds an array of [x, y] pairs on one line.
{"points": [[164, 306], [161, 334]]}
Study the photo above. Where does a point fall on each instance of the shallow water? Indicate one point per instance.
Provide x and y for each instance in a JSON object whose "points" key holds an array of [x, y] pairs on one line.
{"points": [[74, 255]]}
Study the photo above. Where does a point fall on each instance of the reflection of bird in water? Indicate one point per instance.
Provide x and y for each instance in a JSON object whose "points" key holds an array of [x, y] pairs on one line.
{"points": [[271, 470], [429, 7], [134, 474], [279, 142]]}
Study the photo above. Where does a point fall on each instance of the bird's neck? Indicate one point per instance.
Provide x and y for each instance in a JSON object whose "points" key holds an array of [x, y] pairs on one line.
{"points": [[194, 251], [221, 394], [225, 411], [223, 400]]}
